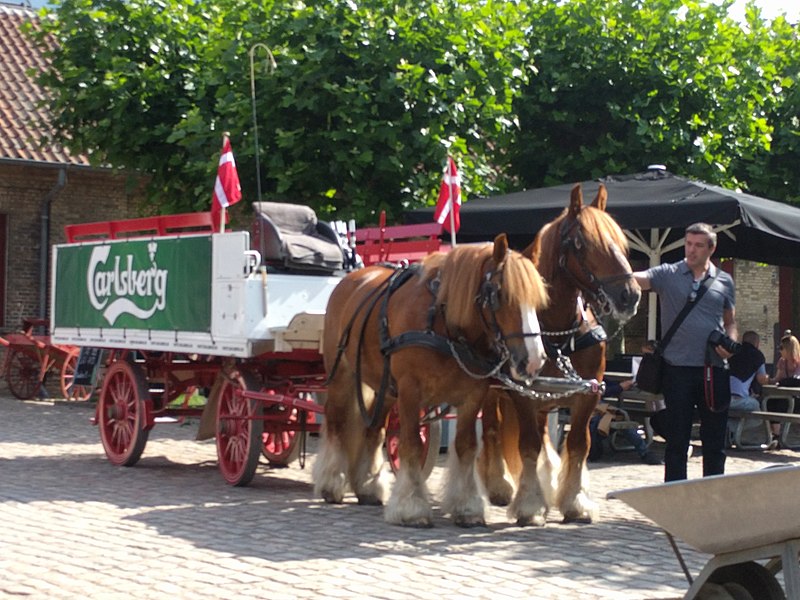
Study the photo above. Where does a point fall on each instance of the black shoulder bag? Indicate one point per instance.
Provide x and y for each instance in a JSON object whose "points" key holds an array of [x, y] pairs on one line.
{"points": [[650, 376]]}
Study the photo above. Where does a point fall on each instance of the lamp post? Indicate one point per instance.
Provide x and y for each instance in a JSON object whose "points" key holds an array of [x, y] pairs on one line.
{"points": [[271, 65]]}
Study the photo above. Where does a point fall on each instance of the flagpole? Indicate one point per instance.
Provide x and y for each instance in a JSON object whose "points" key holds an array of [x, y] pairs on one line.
{"points": [[452, 201], [225, 136], [271, 66]]}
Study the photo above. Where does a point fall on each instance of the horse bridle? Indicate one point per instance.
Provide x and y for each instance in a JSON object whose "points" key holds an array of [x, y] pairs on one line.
{"points": [[489, 297], [594, 290]]}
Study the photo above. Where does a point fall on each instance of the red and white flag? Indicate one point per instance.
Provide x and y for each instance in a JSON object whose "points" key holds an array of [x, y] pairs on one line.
{"points": [[449, 203], [227, 190]]}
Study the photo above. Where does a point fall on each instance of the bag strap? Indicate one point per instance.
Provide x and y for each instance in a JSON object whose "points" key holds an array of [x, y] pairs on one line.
{"points": [[685, 311]]}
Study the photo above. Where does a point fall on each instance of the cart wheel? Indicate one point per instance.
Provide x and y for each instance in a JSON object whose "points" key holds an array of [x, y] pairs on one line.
{"points": [[121, 413], [69, 390], [281, 448], [750, 577], [23, 375], [238, 431], [431, 434]]}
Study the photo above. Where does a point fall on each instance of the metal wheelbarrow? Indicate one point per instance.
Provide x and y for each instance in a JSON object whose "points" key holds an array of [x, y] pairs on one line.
{"points": [[740, 519]]}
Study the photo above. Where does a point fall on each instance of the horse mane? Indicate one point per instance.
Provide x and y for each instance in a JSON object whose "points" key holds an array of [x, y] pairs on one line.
{"points": [[461, 272], [599, 230]]}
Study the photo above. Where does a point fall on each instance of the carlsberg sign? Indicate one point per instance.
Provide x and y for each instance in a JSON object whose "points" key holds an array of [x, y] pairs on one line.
{"points": [[162, 284]]}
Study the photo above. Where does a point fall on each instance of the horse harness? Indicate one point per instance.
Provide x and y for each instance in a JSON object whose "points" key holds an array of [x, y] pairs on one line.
{"points": [[489, 296], [573, 339]]}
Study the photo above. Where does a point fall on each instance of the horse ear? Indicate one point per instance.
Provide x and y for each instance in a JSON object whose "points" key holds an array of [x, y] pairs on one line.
{"points": [[533, 250], [602, 198], [575, 201], [500, 248]]}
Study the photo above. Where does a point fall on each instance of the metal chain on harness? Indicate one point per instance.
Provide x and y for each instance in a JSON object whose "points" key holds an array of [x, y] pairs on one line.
{"points": [[492, 373], [584, 386], [564, 364]]}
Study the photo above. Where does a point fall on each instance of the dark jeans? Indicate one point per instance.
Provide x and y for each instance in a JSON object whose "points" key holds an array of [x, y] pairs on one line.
{"points": [[683, 392]]}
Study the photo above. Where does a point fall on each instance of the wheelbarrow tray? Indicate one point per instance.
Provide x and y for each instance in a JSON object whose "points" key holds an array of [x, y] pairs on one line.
{"points": [[740, 517]]}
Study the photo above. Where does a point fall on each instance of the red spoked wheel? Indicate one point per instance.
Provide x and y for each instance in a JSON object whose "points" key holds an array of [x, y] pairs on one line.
{"points": [[69, 390], [282, 447], [430, 433], [238, 430], [23, 375], [121, 413]]}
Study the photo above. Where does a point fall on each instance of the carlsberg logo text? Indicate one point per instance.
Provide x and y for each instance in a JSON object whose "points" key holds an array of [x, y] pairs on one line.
{"points": [[117, 287]]}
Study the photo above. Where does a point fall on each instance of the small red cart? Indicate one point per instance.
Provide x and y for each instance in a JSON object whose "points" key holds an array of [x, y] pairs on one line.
{"points": [[31, 357]]}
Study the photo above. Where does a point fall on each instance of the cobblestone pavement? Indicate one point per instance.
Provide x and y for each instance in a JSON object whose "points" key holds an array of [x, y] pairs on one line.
{"points": [[74, 526]]}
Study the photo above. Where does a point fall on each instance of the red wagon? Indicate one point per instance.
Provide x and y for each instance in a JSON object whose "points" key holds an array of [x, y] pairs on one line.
{"points": [[177, 308]]}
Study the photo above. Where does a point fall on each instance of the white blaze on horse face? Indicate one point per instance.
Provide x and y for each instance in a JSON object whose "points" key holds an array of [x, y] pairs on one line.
{"points": [[533, 340]]}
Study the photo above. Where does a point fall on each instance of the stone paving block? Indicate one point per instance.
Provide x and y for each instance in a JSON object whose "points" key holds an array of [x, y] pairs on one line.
{"points": [[171, 527]]}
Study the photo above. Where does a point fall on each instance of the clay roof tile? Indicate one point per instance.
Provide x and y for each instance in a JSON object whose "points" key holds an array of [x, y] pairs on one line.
{"points": [[23, 124]]}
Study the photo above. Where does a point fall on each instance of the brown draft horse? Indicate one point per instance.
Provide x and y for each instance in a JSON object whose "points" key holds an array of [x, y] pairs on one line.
{"points": [[418, 338], [582, 256]]}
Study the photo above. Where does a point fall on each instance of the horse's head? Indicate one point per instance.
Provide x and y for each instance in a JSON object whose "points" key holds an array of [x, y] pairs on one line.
{"points": [[495, 292], [585, 248]]}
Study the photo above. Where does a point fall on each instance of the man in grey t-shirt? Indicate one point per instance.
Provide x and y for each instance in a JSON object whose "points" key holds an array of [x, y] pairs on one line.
{"points": [[685, 355]]}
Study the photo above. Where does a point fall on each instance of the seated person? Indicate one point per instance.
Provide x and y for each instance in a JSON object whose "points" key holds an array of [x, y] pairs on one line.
{"points": [[613, 389], [787, 372], [746, 366]]}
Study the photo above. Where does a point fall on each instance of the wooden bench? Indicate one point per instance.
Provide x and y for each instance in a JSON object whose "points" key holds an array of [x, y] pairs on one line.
{"points": [[397, 242], [785, 419], [642, 405]]}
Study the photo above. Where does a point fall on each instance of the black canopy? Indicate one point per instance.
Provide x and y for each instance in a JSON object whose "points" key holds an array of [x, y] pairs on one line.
{"points": [[654, 208]]}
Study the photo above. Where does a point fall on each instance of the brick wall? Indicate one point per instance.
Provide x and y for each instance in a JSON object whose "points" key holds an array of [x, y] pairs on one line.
{"points": [[757, 301], [88, 195]]}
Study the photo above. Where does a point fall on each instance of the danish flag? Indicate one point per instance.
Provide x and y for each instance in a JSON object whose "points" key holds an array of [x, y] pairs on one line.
{"points": [[449, 203], [227, 190]]}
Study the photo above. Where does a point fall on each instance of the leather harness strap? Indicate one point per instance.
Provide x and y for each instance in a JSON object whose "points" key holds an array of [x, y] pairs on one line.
{"points": [[388, 345]]}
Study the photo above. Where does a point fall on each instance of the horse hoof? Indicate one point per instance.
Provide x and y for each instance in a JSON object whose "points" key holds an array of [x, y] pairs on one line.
{"points": [[532, 521], [330, 497], [500, 499], [418, 523], [580, 519], [369, 500], [469, 522]]}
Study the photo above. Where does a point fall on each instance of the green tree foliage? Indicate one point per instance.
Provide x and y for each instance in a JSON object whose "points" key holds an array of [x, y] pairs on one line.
{"points": [[367, 100], [369, 97], [623, 84]]}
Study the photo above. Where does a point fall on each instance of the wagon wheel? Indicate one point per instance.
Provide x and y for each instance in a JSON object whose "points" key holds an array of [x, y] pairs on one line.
{"points": [[430, 432], [239, 439], [23, 375], [69, 390], [121, 413], [281, 448], [748, 580]]}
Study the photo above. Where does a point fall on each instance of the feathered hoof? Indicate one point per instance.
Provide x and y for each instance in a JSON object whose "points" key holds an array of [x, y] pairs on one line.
{"points": [[331, 497], [501, 493], [500, 499], [369, 500], [582, 519], [421, 523], [531, 521], [469, 521]]}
